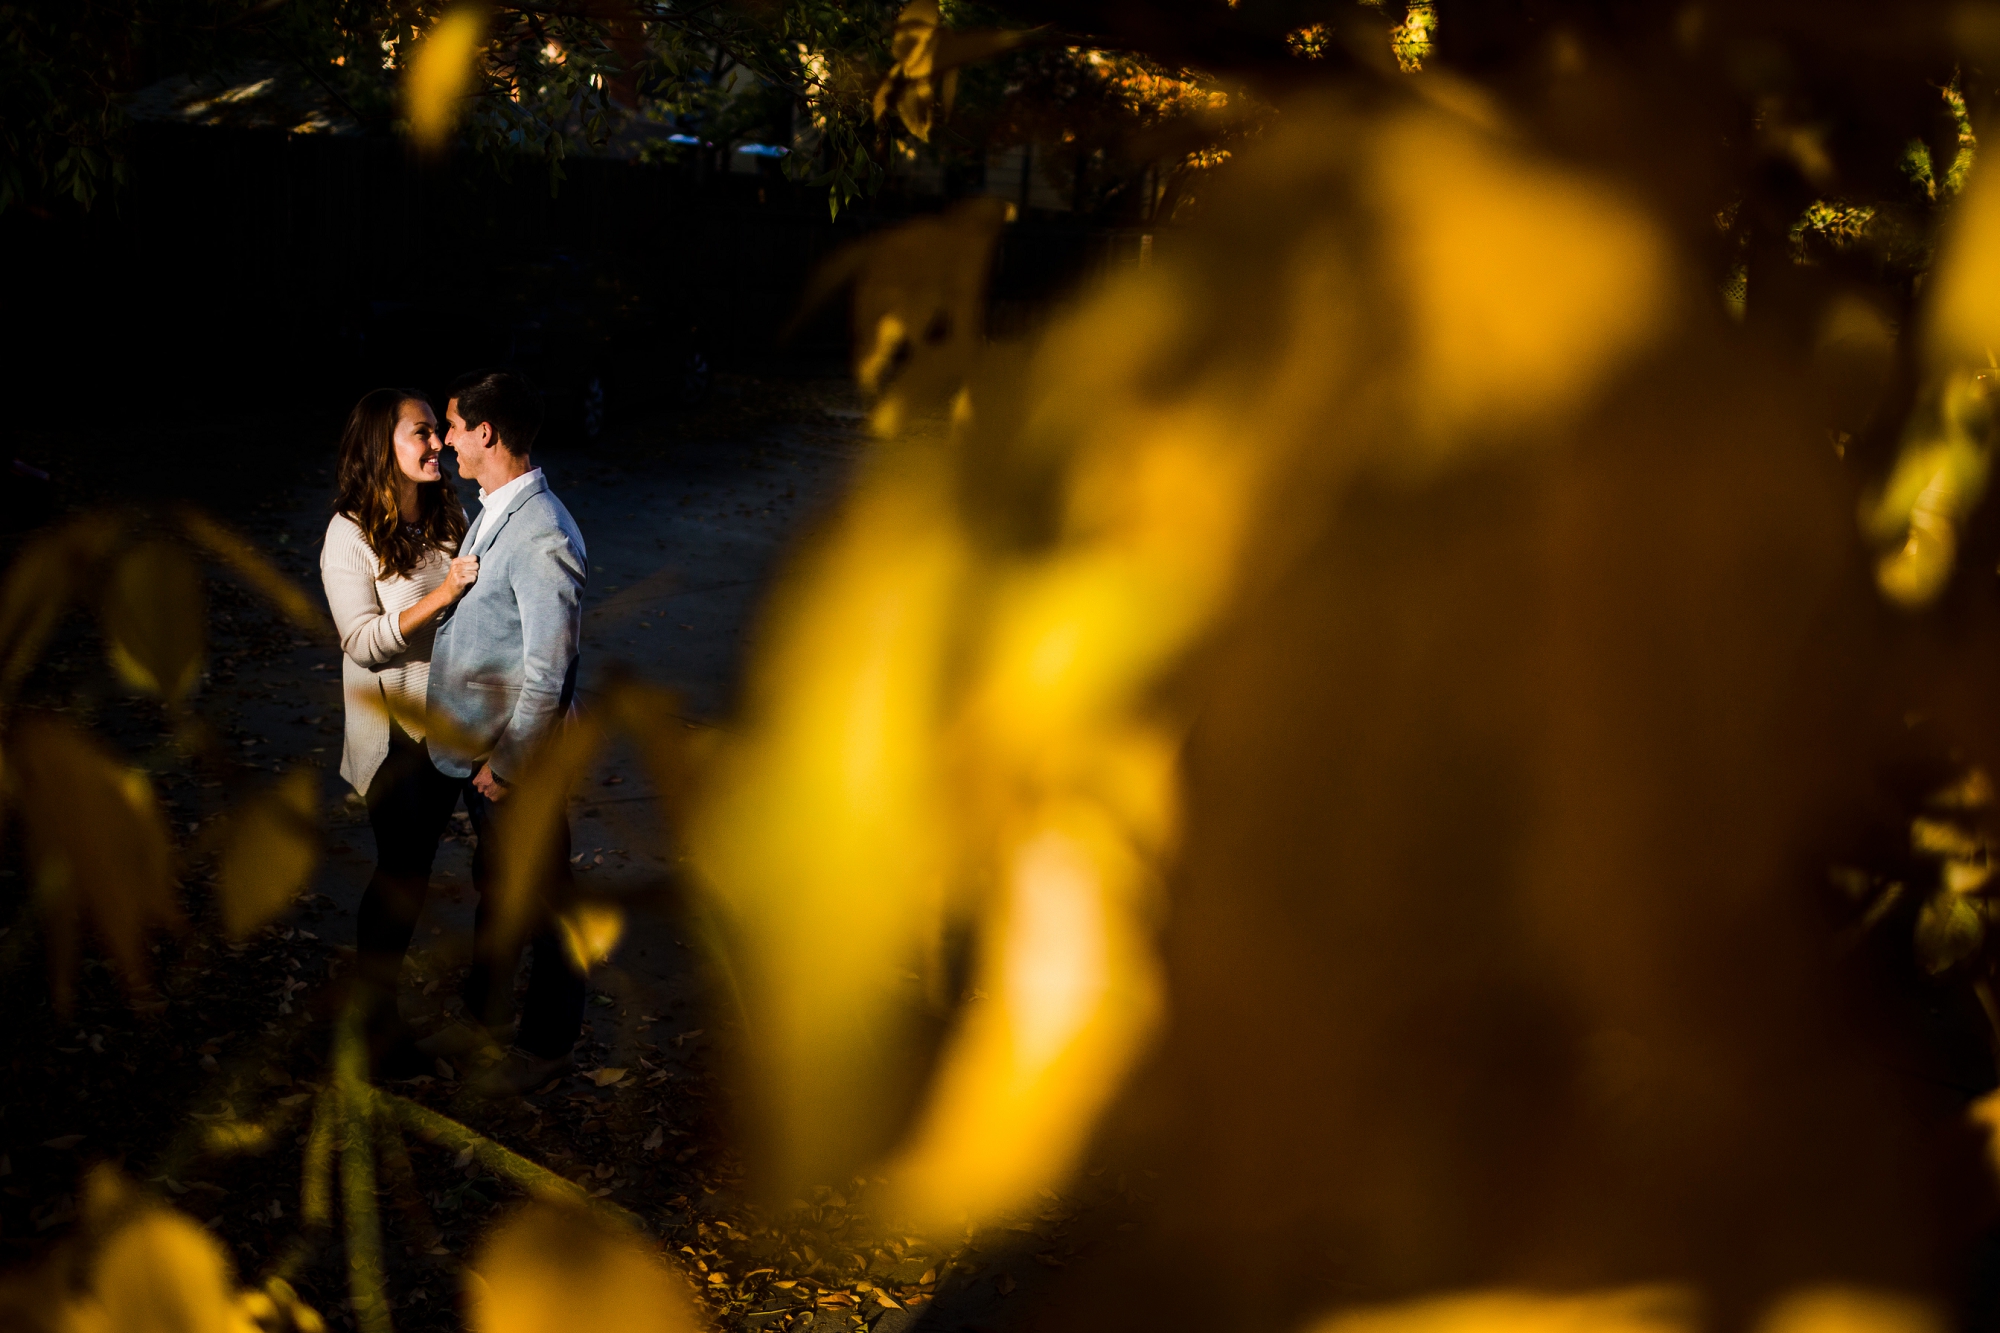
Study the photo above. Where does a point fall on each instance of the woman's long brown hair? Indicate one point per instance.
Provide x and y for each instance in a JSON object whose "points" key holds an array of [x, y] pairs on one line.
{"points": [[368, 487]]}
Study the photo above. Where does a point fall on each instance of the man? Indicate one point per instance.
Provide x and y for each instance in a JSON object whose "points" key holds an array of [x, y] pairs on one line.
{"points": [[503, 668]]}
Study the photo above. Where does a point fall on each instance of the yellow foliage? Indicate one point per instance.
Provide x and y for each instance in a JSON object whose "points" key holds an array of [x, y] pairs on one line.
{"points": [[827, 824], [272, 846], [1636, 1310], [50, 568], [1964, 285], [153, 620], [1946, 453], [961, 705], [96, 843], [139, 1267], [1660, 1309], [590, 931], [919, 306], [441, 74], [255, 569], [1849, 1310], [927, 56], [531, 816], [1939, 476], [162, 1273], [529, 821], [1525, 283], [554, 1268]]}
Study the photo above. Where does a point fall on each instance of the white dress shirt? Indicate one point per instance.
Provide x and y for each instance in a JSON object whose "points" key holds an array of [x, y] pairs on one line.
{"points": [[495, 502]]}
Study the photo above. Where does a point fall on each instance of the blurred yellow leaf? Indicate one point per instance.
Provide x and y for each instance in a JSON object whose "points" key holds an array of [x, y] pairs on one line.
{"points": [[559, 1268], [154, 1270], [1849, 1310], [441, 74], [825, 825], [590, 931], [96, 844], [153, 620], [1941, 470], [271, 848], [676, 751], [50, 568], [964, 708], [162, 1273], [1525, 284], [1853, 358], [432, 724], [1950, 929], [254, 568], [1985, 1113], [529, 820], [1072, 992], [918, 306], [1939, 476], [1635, 1310], [927, 56], [1964, 284]]}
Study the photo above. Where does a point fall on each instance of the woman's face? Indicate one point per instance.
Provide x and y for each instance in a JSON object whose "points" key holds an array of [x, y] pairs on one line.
{"points": [[416, 442]]}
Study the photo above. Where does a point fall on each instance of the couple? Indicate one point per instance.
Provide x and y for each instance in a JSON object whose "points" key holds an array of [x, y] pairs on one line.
{"points": [[478, 627]]}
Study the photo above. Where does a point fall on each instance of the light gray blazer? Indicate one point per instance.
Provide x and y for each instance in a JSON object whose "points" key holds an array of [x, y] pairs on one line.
{"points": [[503, 666]]}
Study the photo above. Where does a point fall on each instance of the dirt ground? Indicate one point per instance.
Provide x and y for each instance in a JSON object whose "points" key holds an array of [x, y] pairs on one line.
{"points": [[686, 520]]}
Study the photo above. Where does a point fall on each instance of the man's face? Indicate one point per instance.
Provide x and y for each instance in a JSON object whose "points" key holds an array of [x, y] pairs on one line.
{"points": [[473, 445]]}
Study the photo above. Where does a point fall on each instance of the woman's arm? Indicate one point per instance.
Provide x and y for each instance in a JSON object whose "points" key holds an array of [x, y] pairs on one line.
{"points": [[347, 569], [464, 572]]}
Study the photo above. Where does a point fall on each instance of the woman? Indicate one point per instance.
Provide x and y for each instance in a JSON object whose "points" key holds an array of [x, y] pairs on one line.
{"points": [[389, 570]]}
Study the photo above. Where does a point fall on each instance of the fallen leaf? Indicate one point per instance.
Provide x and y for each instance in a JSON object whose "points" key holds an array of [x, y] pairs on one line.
{"points": [[63, 1143], [1005, 1284], [654, 1139], [604, 1078]]}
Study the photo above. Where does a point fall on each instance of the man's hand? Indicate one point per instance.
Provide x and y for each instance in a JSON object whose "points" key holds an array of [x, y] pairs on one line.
{"points": [[489, 784]]}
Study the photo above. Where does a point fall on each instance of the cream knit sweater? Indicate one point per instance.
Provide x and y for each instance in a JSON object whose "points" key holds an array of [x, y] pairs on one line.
{"points": [[376, 663]]}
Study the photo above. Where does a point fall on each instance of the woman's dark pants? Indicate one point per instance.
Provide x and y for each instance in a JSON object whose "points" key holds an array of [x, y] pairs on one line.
{"points": [[409, 804]]}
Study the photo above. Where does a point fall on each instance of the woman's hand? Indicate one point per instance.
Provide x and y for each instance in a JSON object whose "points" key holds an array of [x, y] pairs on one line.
{"points": [[458, 581]]}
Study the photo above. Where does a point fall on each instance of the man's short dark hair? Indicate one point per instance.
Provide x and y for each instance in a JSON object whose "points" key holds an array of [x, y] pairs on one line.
{"points": [[504, 398]]}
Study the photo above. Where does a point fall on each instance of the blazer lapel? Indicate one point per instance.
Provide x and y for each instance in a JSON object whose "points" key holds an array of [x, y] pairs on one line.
{"points": [[483, 538]]}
